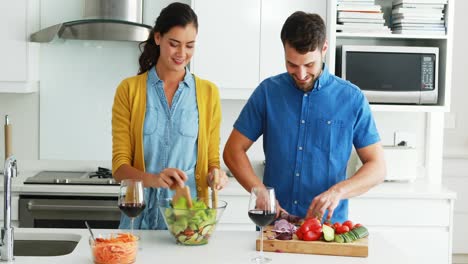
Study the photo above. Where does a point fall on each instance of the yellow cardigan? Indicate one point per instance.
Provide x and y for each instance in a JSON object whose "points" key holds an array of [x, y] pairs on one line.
{"points": [[128, 115]]}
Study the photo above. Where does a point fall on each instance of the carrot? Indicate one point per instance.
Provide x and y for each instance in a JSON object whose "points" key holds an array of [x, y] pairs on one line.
{"points": [[117, 249]]}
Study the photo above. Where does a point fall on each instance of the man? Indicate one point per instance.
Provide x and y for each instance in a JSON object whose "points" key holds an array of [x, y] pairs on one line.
{"points": [[310, 119]]}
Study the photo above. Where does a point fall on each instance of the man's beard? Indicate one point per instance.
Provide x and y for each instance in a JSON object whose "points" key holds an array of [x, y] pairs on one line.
{"points": [[306, 87]]}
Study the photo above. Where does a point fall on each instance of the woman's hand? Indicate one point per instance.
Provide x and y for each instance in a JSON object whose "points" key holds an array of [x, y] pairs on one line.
{"points": [[222, 181], [170, 177]]}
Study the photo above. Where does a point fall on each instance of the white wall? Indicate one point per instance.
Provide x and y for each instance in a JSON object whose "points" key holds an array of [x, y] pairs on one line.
{"points": [[456, 133], [455, 171]]}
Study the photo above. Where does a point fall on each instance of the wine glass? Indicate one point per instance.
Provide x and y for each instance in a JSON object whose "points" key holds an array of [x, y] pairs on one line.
{"points": [[262, 211], [131, 201]]}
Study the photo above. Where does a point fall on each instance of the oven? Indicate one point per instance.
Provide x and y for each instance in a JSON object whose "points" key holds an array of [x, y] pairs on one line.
{"points": [[70, 210], [46, 211]]}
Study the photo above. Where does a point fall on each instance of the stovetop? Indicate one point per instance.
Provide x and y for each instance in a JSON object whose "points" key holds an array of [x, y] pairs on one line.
{"points": [[102, 176]]}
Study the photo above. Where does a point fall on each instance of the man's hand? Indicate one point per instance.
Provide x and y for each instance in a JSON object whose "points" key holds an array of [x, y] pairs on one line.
{"points": [[222, 181], [279, 210], [325, 201], [169, 177]]}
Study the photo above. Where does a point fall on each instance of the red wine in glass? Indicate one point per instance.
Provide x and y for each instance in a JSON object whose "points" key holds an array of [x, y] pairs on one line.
{"points": [[261, 217], [131, 198], [132, 209], [262, 211]]}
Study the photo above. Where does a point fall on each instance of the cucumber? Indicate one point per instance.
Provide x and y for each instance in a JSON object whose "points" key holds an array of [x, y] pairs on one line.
{"points": [[328, 233], [339, 238], [360, 232], [353, 235]]}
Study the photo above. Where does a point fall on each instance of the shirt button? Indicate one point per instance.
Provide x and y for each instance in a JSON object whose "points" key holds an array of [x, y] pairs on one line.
{"points": [[300, 148], [297, 174], [329, 122], [302, 121], [197, 177], [199, 189], [305, 95], [295, 202]]}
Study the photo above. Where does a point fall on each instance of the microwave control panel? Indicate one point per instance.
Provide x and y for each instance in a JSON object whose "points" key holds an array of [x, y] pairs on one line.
{"points": [[427, 72]]}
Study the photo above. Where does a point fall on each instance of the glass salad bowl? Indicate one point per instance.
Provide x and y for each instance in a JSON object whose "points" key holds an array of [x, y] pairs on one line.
{"points": [[191, 226]]}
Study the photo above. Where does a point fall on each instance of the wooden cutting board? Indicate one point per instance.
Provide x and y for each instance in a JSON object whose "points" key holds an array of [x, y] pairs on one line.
{"points": [[358, 248]]}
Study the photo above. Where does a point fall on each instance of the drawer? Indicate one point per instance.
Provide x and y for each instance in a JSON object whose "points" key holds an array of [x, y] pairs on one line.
{"points": [[400, 212], [428, 245]]}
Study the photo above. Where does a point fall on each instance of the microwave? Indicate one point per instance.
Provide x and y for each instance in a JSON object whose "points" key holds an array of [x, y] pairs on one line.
{"points": [[393, 74]]}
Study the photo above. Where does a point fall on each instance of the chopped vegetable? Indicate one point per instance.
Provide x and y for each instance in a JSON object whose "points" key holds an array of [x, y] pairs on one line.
{"points": [[117, 249], [284, 230]]}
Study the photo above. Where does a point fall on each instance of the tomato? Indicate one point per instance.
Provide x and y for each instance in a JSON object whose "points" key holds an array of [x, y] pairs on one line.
{"points": [[310, 230], [336, 225], [357, 225], [349, 224], [311, 236], [342, 229]]}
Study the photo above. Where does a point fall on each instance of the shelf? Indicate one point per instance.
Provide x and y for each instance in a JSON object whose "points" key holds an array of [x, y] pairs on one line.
{"points": [[388, 36], [19, 87], [408, 108]]}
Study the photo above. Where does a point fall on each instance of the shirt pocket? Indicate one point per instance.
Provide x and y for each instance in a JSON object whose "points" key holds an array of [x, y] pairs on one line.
{"points": [[187, 124], [153, 122], [325, 133]]}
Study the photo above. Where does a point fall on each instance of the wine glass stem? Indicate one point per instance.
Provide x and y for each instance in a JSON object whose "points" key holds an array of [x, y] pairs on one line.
{"points": [[261, 242], [131, 224]]}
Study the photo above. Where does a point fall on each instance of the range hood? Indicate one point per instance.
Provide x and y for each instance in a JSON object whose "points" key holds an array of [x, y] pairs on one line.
{"points": [[118, 20]]}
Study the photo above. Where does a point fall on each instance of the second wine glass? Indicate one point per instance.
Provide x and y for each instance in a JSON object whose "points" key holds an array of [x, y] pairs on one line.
{"points": [[131, 198], [262, 211]]}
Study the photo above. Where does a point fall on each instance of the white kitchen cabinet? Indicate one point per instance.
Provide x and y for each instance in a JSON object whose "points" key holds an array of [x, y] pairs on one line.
{"points": [[227, 48], [274, 14], [19, 63], [422, 226], [239, 42]]}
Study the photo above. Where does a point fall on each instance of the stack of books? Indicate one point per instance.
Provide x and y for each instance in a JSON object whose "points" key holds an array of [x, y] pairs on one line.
{"points": [[360, 16], [418, 17]]}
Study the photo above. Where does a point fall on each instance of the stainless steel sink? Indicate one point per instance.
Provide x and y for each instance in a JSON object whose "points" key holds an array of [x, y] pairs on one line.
{"points": [[43, 244]]}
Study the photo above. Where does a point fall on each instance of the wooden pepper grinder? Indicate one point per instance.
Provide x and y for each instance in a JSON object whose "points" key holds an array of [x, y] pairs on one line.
{"points": [[8, 133]]}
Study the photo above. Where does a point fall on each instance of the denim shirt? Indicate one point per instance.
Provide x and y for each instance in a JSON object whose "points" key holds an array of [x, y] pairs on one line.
{"points": [[169, 141], [307, 136]]}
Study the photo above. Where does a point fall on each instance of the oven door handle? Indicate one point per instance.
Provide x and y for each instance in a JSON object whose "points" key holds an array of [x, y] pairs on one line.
{"points": [[42, 207]]}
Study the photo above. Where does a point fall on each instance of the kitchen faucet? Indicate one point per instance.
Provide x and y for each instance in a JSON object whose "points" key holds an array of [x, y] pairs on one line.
{"points": [[6, 246]]}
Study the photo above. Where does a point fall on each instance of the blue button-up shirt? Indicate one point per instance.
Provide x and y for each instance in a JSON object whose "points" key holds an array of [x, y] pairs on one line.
{"points": [[170, 135], [307, 136]]}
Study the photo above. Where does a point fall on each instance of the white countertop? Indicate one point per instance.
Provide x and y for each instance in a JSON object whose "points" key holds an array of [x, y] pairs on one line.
{"points": [[224, 247], [403, 190]]}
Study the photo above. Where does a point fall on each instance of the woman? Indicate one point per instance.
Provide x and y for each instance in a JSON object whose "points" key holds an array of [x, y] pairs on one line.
{"points": [[166, 121]]}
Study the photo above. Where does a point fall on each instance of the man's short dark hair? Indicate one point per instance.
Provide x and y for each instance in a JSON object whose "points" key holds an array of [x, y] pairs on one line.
{"points": [[304, 32]]}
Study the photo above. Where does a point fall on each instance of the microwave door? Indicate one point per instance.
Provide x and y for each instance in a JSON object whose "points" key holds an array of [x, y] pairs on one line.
{"points": [[384, 71], [381, 97], [386, 77]]}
